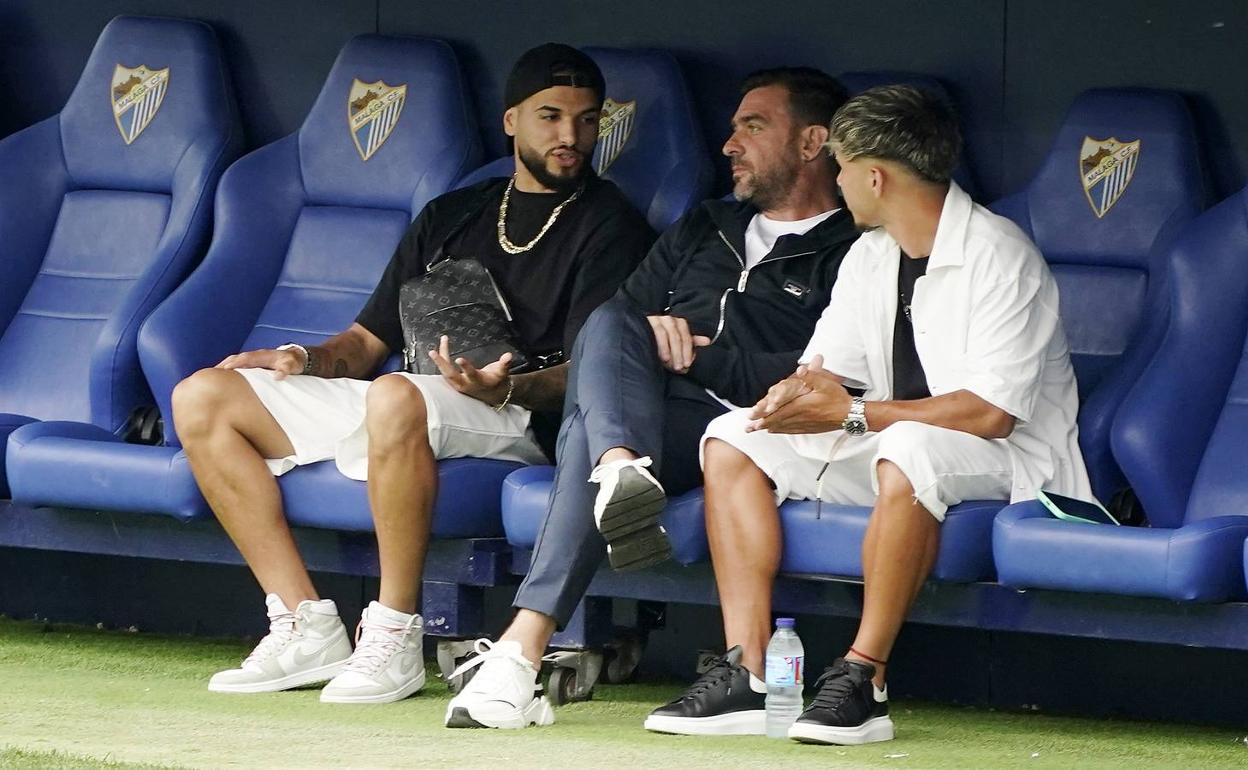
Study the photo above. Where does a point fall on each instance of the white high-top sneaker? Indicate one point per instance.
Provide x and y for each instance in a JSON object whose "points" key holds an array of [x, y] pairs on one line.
{"points": [[627, 510], [502, 694], [388, 663], [302, 647]]}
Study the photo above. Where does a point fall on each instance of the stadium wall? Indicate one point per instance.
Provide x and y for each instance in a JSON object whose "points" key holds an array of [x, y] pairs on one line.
{"points": [[1012, 66]]}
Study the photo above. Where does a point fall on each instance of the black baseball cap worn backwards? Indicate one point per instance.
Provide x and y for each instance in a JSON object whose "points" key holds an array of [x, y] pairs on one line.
{"points": [[550, 65]]}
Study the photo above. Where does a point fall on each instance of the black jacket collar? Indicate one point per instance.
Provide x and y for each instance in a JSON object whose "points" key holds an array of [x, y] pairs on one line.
{"points": [[733, 217]]}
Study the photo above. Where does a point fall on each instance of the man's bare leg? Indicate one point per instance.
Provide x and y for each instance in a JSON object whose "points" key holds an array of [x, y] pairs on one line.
{"points": [[743, 528], [532, 630], [617, 453], [227, 434], [898, 553], [402, 485]]}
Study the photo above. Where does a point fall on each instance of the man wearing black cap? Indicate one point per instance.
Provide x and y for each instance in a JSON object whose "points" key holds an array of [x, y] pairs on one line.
{"points": [[718, 312], [557, 241]]}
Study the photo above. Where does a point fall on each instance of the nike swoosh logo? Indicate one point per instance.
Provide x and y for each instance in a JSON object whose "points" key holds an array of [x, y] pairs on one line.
{"points": [[301, 659], [407, 667]]}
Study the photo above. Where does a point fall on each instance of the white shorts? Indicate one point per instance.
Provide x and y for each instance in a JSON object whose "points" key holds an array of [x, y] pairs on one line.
{"points": [[944, 466], [324, 419]]}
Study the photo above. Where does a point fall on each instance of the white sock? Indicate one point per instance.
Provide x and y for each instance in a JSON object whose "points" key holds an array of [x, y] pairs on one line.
{"points": [[391, 614], [881, 694], [321, 606], [757, 685]]}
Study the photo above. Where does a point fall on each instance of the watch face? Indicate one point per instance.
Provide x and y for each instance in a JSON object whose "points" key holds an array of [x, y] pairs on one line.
{"points": [[855, 427]]}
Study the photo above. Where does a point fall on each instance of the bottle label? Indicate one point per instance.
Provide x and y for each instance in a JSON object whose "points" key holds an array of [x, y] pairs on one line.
{"points": [[786, 670]]}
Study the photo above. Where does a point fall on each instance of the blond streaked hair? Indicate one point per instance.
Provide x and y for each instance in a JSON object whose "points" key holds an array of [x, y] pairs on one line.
{"points": [[901, 123]]}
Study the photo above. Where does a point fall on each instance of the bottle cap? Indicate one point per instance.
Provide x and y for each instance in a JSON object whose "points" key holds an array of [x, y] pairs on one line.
{"points": [[784, 623]]}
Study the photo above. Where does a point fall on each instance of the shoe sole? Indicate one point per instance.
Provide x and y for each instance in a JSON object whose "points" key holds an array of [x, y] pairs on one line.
{"points": [[538, 713], [289, 682], [407, 690], [630, 523], [735, 723], [871, 731], [645, 548]]}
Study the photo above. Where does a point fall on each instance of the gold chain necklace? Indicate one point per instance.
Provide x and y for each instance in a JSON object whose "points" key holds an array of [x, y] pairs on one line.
{"points": [[504, 242]]}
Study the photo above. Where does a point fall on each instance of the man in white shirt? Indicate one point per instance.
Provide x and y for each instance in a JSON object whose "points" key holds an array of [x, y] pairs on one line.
{"points": [[945, 316]]}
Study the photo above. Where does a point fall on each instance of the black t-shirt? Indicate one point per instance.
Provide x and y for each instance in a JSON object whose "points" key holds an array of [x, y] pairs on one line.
{"points": [[595, 244], [590, 249], [909, 379]]}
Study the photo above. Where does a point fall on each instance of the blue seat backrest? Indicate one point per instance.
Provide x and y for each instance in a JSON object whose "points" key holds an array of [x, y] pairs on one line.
{"points": [[116, 196], [1103, 215], [1180, 434], [857, 82], [306, 225], [662, 165], [650, 143], [355, 210]]}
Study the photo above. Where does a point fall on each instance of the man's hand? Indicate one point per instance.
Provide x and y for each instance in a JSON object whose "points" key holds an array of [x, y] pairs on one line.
{"points": [[676, 344], [811, 400], [280, 362], [488, 384]]}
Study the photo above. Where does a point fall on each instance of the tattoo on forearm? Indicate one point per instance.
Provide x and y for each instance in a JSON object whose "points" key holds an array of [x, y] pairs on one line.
{"points": [[542, 391], [340, 367]]}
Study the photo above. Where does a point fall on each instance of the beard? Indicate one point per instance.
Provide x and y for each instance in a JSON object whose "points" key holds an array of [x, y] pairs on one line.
{"points": [[561, 183], [769, 187]]}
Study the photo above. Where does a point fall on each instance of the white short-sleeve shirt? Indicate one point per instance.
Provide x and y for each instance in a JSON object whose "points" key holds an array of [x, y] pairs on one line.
{"points": [[985, 320]]}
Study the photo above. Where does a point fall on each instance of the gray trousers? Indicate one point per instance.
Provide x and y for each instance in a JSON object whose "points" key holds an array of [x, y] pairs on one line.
{"points": [[619, 395]]}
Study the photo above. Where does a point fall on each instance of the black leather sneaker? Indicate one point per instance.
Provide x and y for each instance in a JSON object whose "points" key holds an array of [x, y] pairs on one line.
{"points": [[845, 710], [720, 702]]}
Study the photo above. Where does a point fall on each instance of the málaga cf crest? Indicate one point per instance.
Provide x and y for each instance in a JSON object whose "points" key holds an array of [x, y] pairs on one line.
{"points": [[1106, 167], [137, 94], [373, 110], [614, 128]]}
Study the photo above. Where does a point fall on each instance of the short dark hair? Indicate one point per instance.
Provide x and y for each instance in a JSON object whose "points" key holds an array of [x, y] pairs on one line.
{"points": [[911, 126], [814, 95]]}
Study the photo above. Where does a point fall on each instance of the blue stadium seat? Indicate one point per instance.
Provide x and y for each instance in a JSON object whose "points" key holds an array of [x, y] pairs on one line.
{"points": [[526, 494], [1108, 255], [1179, 438], [304, 228], [857, 82], [104, 208], [1090, 254], [652, 147]]}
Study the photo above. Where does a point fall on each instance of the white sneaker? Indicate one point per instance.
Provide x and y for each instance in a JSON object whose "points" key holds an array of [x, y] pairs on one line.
{"points": [[502, 694], [302, 647], [388, 663], [627, 510]]}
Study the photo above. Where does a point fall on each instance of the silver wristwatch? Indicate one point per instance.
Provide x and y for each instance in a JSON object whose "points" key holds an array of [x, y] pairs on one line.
{"points": [[307, 355], [855, 423]]}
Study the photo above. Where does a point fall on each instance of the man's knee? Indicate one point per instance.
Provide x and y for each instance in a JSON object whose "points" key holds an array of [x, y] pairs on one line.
{"points": [[723, 463], [396, 413], [893, 482], [611, 323], [199, 401], [903, 445]]}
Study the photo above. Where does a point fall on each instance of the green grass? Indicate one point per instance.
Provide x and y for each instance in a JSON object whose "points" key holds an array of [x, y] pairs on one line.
{"points": [[73, 697], [17, 759]]}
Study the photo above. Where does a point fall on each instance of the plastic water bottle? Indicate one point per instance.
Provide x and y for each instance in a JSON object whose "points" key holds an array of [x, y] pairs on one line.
{"points": [[786, 663]]}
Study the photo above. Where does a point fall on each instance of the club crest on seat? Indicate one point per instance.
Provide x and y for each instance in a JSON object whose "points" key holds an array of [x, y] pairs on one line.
{"points": [[373, 110], [614, 128], [137, 94], [1106, 167]]}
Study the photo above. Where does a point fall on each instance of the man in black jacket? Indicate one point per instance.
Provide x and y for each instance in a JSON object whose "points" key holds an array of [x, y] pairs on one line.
{"points": [[557, 241], [719, 311]]}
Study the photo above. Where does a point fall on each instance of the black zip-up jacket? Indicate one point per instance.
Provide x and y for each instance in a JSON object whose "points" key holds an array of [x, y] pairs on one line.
{"points": [[759, 319]]}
